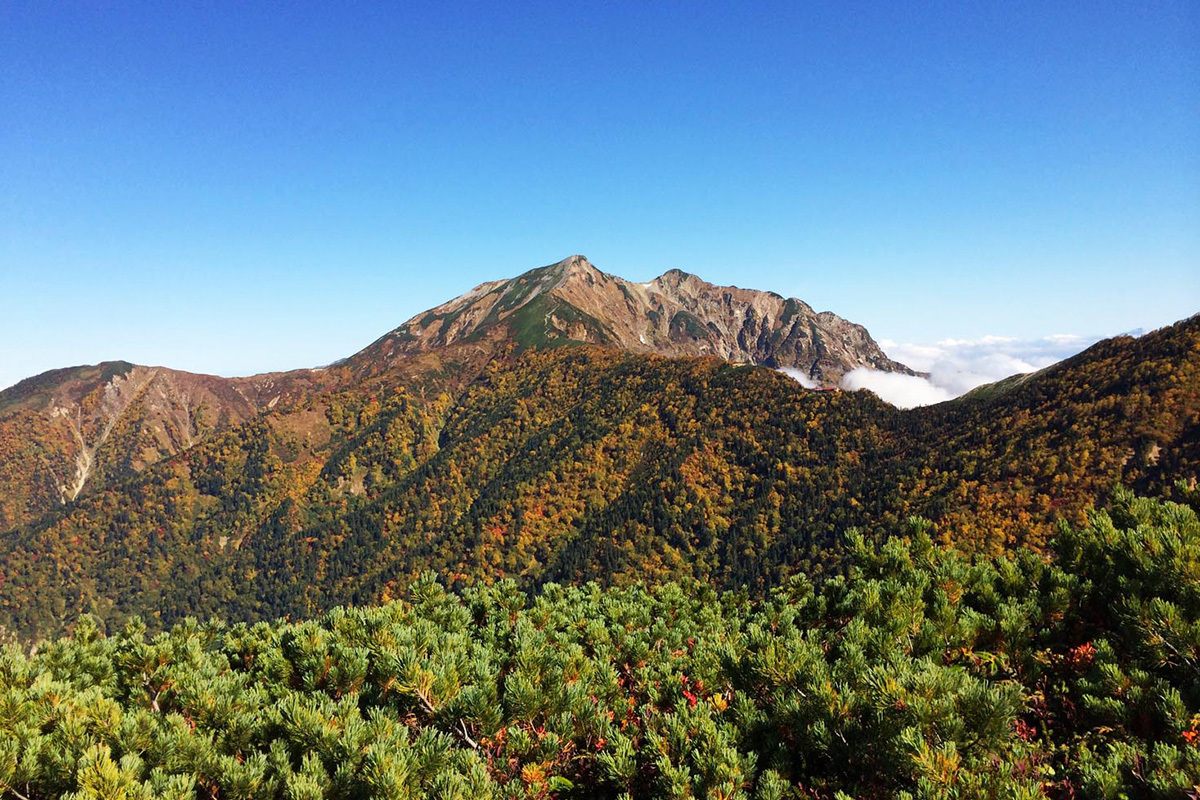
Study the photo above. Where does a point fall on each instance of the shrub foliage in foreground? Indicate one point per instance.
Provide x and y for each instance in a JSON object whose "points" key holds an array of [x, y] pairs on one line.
{"points": [[917, 673]]}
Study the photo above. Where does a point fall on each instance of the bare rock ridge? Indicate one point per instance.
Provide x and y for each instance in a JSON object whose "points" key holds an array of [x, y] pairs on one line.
{"points": [[676, 314]]}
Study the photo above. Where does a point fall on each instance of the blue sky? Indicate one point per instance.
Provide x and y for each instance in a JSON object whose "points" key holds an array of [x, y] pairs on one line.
{"points": [[234, 188]]}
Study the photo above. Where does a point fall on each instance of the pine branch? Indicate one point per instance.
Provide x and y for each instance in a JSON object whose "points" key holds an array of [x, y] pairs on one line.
{"points": [[13, 791], [462, 724]]}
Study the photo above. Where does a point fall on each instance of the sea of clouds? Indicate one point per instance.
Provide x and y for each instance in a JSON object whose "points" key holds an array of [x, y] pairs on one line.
{"points": [[956, 366]]}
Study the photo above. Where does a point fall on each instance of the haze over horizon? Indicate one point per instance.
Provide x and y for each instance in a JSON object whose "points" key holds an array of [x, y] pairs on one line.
{"points": [[238, 190]]}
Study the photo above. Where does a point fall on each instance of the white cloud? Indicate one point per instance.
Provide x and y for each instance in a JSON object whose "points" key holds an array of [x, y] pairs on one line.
{"points": [[956, 366], [902, 391], [799, 375]]}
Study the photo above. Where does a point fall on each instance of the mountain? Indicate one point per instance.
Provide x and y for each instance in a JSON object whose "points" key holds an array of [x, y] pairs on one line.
{"points": [[676, 314], [572, 463], [70, 431]]}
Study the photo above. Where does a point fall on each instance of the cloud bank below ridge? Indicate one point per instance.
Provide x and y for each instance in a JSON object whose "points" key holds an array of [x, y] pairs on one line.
{"points": [[956, 366]]}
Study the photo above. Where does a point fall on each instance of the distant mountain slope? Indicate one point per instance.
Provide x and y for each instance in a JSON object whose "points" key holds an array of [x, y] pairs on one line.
{"points": [[1014, 453], [585, 462], [71, 431], [66, 431], [676, 314]]}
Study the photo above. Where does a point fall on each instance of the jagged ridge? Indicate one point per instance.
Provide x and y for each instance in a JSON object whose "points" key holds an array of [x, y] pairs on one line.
{"points": [[676, 314]]}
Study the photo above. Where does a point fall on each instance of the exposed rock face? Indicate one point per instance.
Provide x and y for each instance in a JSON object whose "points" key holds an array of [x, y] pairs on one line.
{"points": [[676, 314], [68, 430]]}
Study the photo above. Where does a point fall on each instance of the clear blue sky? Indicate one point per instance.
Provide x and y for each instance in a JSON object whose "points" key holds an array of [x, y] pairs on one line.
{"points": [[233, 188]]}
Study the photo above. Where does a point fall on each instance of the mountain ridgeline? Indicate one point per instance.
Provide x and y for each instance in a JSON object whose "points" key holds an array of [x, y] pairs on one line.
{"points": [[676, 314], [68, 431], [474, 442]]}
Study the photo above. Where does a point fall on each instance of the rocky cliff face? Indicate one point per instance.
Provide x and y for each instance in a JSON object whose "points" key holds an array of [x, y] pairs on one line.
{"points": [[675, 314], [69, 430]]}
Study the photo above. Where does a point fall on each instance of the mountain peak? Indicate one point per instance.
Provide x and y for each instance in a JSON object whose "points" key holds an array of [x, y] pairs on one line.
{"points": [[576, 261], [676, 314], [577, 267], [674, 275]]}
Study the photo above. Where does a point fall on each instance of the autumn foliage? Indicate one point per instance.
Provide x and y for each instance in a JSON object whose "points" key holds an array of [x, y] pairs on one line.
{"points": [[917, 672]]}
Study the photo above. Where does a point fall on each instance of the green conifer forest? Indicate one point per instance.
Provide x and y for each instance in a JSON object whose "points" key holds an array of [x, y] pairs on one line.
{"points": [[912, 671]]}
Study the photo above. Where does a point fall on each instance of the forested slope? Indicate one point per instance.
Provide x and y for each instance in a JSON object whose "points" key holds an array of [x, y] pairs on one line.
{"points": [[585, 463], [918, 673], [1009, 457], [70, 432]]}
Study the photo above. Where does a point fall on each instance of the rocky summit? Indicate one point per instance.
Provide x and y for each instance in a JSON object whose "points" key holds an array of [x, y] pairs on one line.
{"points": [[676, 314]]}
